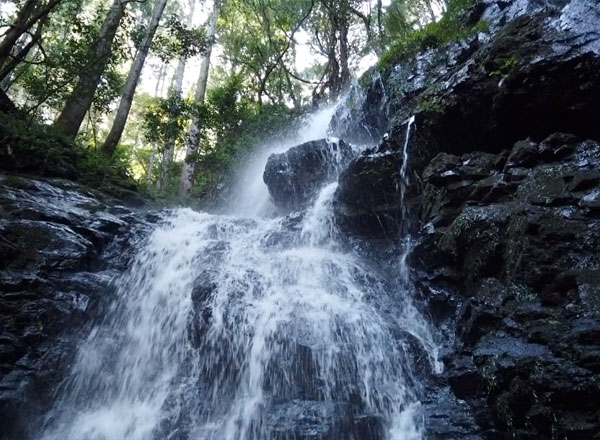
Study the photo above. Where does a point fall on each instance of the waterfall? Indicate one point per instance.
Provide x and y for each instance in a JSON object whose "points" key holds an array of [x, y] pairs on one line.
{"points": [[249, 326], [251, 196], [403, 182]]}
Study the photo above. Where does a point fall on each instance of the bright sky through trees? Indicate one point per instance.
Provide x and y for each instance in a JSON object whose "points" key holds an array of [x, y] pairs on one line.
{"points": [[77, 64]]}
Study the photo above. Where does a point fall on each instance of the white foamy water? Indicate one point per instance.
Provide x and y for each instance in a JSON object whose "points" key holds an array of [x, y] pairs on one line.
{"points": [[244, 327]]}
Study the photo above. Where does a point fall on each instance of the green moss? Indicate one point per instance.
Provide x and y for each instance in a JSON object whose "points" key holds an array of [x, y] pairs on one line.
{"points": [[39, 149], [430, 103], [503, 66], [366, 79], [451, 27]]}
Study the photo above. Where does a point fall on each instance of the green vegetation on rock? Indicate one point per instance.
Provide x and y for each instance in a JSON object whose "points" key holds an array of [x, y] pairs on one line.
{"points": [[454, 25], [38, 149]]}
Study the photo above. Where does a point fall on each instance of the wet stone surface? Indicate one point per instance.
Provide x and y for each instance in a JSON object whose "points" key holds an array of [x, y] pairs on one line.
{"points": [[504, 180], [61, 244]]}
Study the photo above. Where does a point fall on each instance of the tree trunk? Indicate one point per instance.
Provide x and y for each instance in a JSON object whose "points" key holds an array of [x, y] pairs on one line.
{"points": [[176, 88], [31, 12], [23, 52], [150, 165], [110, 144], [80, 100], [380, 46], [187, 172], [344, 55]]}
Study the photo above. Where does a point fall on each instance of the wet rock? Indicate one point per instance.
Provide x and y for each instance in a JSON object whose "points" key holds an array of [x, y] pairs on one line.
{"points": [[504, 177], [60, 247], [319, 420], [362, 118], [493, 89], [448, 418], [523, 154], [205, 286], [295, 375], [367, 201], [525, 263], [294, 177], [46, 244]]}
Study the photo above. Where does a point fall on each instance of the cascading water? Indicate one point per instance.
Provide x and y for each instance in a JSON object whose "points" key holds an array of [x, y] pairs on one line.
{"points": [[403, 181], [241, 326], [251, 194]]}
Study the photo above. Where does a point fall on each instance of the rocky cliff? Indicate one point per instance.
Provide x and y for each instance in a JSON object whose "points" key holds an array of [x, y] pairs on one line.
{"points": [[502, 199], [61, 244], [497, 181]]}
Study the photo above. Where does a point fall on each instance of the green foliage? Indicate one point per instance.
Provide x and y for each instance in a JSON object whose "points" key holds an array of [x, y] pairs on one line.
{"points": [[254, 92], [258, 42], [452, 26], [41, 150], [175, 40], [430, 103], [232, 127], [167, 118], [47, 78], [402, 16], [503, 66]]}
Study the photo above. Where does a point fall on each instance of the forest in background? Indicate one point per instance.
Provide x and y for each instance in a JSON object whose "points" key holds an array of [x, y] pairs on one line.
{"points": [[168, 96]]}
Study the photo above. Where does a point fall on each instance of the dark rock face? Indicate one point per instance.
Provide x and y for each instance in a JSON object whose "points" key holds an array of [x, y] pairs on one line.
{"points": [[367, 199], [60, 246], [294, 177], [363, 117], [492, 90], [504, 179], [518, 239]]}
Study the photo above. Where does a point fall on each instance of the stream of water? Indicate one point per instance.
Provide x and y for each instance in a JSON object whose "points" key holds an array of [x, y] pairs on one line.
{"points": [[249, 326]]}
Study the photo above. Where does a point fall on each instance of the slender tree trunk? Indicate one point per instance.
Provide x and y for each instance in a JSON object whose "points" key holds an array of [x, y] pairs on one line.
{"points": [[176, 88], [187, 172], [110, 144], [334, 66], [151, 165], [16, 30], [24, 51], [344, 55], [380, 45], [80, 100], [29, 14]]}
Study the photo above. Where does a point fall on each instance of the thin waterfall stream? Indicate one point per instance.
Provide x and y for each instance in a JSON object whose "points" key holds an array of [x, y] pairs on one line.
{"points": [[250, 325]]}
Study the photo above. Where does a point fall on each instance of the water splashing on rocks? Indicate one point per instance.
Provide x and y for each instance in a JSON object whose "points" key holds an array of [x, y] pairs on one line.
{"points": [[250, 326]]}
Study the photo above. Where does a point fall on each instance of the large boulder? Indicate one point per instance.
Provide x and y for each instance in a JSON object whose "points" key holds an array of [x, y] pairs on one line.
{"points": [[295, 177], [367, 201]]}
